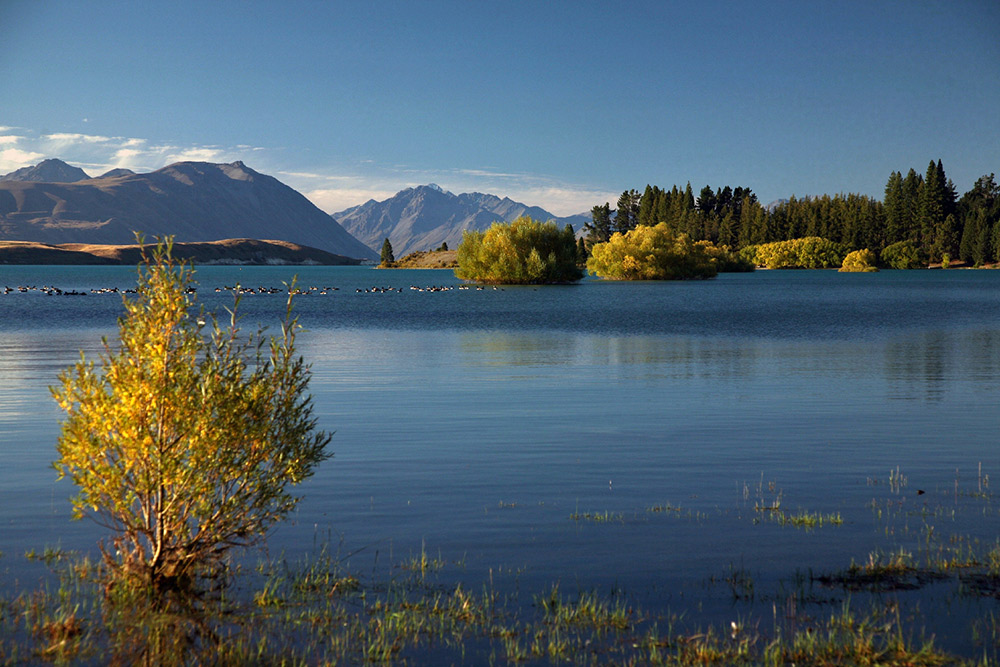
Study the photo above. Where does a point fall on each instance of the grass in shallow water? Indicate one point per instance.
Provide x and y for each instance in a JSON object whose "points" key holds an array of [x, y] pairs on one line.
{"points": [[314, 611]]}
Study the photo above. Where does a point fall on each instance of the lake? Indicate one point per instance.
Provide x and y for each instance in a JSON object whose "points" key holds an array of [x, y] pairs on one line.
{"points": [[604, 435]]}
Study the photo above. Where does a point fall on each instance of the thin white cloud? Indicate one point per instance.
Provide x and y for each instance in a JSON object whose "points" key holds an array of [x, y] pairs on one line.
{"points": [[563, 201], [76, 137], [126, 157], [9, 139], [203, 154], [15, 158], [333, 200], [486, 173], [317, 176]]}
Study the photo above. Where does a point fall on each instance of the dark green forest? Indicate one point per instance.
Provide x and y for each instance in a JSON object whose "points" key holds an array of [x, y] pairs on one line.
{"points": [[923, 212]]}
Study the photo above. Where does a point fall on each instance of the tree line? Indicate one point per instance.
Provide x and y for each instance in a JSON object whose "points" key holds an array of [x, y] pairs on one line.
{"points": [[918, 211]]}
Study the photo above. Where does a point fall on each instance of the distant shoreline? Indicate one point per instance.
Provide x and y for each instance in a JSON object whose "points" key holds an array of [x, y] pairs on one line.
{"points": [[426, 259], [226, 251]]}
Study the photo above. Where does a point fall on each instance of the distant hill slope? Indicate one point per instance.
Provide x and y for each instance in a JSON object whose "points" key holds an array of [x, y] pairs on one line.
{"points": [[47, 171], [194, 201], [424, 217], [428, 259], [227, 251]]}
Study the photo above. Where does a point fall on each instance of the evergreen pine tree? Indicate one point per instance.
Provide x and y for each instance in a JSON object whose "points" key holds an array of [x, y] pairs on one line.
{"points": [[723, 200], [895, 209], [931, 211], [995, 242], [688, 201], [647, 206], [386, 255], [663, 207], [725, 235], [981, 238], [627, 216], [706, 199], [968, 234], [946, 237], [912, 186], [760, 231], [744, 236], [599, 229]]}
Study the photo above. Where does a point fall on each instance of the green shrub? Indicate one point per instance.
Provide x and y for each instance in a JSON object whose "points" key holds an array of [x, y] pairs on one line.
{"points": [[726, 261], [859, 261], [522, 252], [903, 255]]}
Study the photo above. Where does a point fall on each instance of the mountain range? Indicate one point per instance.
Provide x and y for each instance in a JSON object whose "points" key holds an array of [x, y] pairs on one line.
{"points": [[47, 171], [194, 201], [56, 203], [424, 217], [226, 251]]}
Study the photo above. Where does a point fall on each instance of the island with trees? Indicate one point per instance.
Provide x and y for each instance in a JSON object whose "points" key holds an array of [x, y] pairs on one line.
{"points": [[921, 221], [524, 251], [662, 234]]}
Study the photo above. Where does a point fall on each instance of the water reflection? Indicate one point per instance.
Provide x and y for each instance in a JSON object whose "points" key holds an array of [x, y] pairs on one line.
{"points": [[928, 365], [511, 348], [924, 365], [174, 629]]}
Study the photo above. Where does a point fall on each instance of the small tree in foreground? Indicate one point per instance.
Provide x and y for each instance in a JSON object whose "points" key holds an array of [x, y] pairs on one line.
{"points": [[184, 443]]}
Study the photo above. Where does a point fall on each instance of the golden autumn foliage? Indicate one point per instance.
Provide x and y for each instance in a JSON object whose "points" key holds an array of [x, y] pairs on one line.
{"points": [[859, 261], [653, 253], [184, 437], [811, 252]]}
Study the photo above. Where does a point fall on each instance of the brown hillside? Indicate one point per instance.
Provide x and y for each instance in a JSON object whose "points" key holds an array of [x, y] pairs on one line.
{"points": [[227, 251]]}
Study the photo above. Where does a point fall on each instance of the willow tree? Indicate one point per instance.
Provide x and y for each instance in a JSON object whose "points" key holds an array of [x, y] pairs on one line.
{"points": [[183, 441], [859, 261], [653, 253], [524, 251], [811, 252], [904, 255]]}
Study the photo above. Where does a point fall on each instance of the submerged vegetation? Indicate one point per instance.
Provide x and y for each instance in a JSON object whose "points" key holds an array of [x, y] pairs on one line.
{"points": [[317, 609]]}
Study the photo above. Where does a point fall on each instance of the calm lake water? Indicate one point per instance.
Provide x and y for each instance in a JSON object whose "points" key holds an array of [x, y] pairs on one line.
{"points": [[482, 426]]}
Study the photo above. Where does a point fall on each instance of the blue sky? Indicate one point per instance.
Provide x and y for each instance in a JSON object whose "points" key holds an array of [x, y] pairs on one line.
{"points": [[556, 104]]}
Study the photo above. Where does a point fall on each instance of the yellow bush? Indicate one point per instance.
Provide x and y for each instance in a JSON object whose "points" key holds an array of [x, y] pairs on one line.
{"points": [[859, 261], [652, 253]]}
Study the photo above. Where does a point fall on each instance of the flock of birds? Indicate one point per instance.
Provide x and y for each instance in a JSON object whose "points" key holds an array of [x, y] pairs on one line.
{"points": [[55, 291], [241, 290]]}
